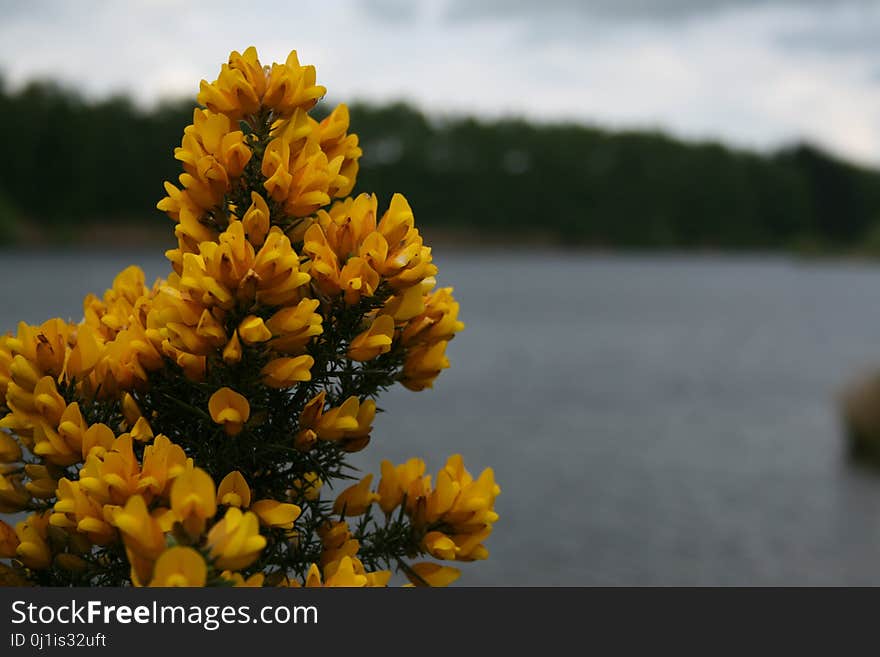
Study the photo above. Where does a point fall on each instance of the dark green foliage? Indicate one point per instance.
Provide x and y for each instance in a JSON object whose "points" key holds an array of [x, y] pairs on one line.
{"points": [[68, 160]]}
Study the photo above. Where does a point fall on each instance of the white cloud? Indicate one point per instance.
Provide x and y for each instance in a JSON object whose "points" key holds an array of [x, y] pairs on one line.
{"points": [[754, 74]]}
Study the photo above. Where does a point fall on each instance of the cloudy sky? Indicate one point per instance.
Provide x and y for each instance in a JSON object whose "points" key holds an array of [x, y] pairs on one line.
{"points": [[754, 73]]}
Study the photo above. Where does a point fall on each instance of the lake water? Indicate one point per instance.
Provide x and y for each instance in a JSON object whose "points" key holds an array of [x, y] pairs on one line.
{"points": [[651, 420]]}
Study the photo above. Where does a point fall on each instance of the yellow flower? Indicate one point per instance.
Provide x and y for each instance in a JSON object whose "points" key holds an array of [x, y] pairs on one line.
{"points": [[406, 305], [8, 541], [355, 500], [235, 541], [423, 364], [213, 153], [13, 495], [286, 372], [141, 531], [254, 581], [432, 574], [239, 88], [180, 566], [33, 548], [162, 462], [130, 410], [78, 509], [347, 571], [83, 355], [10, 577], [439, 545], [43, 480], [256, 220], [323, 262], [276, 514], [291, 86], [350, 423], [115, 474], [309, 486], [357, 280], [230, 409], [343, 574], [395, 249], [297, 172], [277, 270], [345, 226], [107, 316], [5, 362], [336, 142], [232, 351], [10, 451], [96, 440], [194, 499], [234, 491], [335, 422], [293, 327], [439, 321], [141, 431], [252, 330], [396, 482], [374, 341]]}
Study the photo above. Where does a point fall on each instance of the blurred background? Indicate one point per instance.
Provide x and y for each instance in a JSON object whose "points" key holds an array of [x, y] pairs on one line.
{"points": [[661, 218]]}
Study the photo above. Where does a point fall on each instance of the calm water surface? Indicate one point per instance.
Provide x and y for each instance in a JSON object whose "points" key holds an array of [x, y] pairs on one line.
{"points": [[651, 420]]}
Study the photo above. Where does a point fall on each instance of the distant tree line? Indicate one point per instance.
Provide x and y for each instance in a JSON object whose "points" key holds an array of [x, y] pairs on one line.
{"points": [[67, 160]]}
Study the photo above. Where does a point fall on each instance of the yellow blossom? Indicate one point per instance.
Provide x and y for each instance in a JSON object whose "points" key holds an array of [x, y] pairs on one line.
{"points": [[277, 270], [230, 409], [8, 541], [374, 341], [432, 574], [78, 509], [234, 491], [254, 581], [33, 548], [292, 327], [309, 486], [194, 499], [11, 577], [143, 535], [130, 409], [439, 545], [286, 372], [43, 480], [291, 86], [10, 451], [276, 514], [439, 321], [423, 364], [162, 462], [395, 249], [336, 142], [252, 330], [256, 220], [13, 495], [347, 571], [232, 351], [355, 500], [97, 439], [141, 431], [180, 566], [235, 541], [396, 482]]}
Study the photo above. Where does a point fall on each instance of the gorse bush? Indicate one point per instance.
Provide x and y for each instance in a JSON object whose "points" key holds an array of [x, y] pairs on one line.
{"points": [[196, 432]]}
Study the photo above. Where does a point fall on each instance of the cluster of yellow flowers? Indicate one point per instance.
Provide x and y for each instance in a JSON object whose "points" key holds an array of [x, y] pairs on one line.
{"points": [[255, 364]]}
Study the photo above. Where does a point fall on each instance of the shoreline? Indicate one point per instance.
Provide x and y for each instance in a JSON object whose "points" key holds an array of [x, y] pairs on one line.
{"points": [[136, 236]]}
